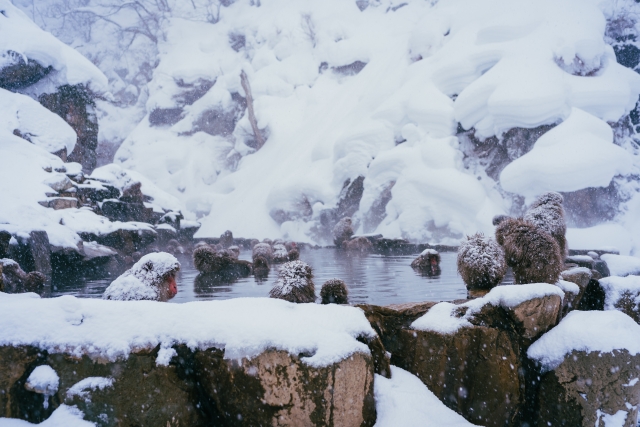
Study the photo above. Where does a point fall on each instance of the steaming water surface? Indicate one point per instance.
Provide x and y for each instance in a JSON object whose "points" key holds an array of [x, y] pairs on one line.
{"points": [[371, 279]]}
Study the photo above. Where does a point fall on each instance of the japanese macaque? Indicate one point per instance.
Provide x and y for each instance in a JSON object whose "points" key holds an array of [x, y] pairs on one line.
{"points": [[357, 244], [15, 280], [547, 213], [532, 253], [294, 254], [342, 231], [427, 263], [481, 264], [263, 250], [222, 262], [295, 283], [226, 239], [260, 266], [174, 247], [334, 291], [153, 277], [234, 251], [280, 253]]}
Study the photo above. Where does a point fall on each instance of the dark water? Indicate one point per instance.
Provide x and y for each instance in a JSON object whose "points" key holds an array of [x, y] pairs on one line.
{"points": [[371, 278]]}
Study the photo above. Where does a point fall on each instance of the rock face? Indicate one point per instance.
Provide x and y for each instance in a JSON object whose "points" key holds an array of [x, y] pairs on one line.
{"points": [[195, 389], [588, 387], [481, 370], [76, 106], [33, 253], [276, 388]]}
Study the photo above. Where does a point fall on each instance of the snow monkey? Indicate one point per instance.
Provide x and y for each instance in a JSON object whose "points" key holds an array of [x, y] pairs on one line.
{"points": [[532, 253], [16, 280], [547, 213], [151, 278], [295, 283], [427, 263], [481, 264], [342, 231], [334, 291]]}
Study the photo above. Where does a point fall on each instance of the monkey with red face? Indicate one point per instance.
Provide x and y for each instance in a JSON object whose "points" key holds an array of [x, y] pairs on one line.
{"points": [[153, 277]]}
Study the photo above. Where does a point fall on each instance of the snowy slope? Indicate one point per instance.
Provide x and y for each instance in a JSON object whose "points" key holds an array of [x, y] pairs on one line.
{"points": [[490, 65]]}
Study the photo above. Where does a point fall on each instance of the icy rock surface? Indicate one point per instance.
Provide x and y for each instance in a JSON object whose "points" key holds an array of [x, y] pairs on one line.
{"points": [[621, 265], [243, 327], [428, 66], [84, 387]]}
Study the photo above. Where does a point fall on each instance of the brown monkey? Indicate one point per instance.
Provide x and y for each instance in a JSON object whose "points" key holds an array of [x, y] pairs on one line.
{"points": [[264, 250], [342, 231], [17, 280], [427, 263], [226, 239], [223, 262], [481, 264], [357, 244], [334, 291], [532, 253], [260, 266], [151, 278], [280, 253], [295, 283], [294, 254], [548, 214]]}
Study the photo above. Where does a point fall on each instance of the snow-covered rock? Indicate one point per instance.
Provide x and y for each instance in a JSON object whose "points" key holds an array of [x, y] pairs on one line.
{"points": [[621, 265], [64, 416]]}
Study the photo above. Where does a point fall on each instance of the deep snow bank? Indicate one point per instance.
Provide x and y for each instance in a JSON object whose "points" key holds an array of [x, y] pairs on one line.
{"points": [[378, 93], [243, 327]]}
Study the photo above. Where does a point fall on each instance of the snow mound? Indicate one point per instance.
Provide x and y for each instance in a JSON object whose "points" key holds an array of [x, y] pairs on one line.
{"points": [[142, 281], [404, 400], [579, 153], [447, 318], [615, 287], [621, 265], [84, 387], [589, 331], [63, 416], [608, 237], [20, 35], [243, 327], [43, 380], [35, 123]]}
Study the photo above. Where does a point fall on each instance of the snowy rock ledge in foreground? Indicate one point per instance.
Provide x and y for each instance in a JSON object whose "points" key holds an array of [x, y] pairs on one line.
{"points": [[591, 365], [471, 355], [252, 359]]}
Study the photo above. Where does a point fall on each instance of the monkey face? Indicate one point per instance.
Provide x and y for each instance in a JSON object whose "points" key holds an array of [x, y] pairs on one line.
{"points": [[172, 287]]}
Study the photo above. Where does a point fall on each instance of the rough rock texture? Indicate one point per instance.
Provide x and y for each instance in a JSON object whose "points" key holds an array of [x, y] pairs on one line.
{"points": [[33, 253], [581, 277], [198, 388], [21, 72], [586, 386], [76, 106], [5, 238], [128, 241], [480, 371], [276, 388]]}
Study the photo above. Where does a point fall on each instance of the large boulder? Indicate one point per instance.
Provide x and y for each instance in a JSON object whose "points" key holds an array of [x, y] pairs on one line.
{"points": [[126, 237], [471, 355], [277, 388], [590, 365], [623, 294], [33, 253]]}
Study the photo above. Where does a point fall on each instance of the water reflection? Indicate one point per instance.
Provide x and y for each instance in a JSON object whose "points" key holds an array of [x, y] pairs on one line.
{"points": [[371, 278]]}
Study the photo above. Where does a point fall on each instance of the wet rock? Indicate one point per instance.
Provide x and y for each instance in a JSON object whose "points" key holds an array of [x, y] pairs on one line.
{"points": [[91, 192], [76, 105], [134, 238], [5, 238], [14, 370], [601, 267], [58, 203], [276, 388], [165, 233], [582, 261], [20, 71], [116, 210], [350, 196], [15, 280], [33, 253], [479, 370], [593, 298], [581, 277], [187, 230]]}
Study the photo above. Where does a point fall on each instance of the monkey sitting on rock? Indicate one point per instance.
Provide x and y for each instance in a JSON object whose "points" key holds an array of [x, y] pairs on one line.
{"points": [[531, 252], [357, 244], [334, 291], [427, 263], [15, 280], [295, 283], [153, 277], [481, 264]]}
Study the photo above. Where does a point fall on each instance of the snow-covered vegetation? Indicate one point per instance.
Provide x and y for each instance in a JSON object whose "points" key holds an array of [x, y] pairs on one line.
{"points": [[255, 115]]}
